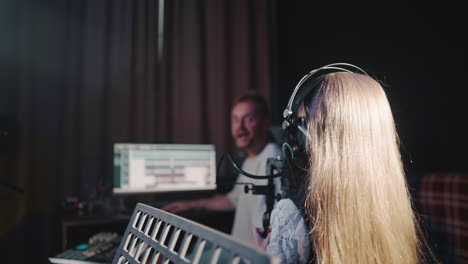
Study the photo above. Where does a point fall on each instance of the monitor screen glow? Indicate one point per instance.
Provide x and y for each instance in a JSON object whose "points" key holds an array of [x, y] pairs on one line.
{"points": [[147, 168]]}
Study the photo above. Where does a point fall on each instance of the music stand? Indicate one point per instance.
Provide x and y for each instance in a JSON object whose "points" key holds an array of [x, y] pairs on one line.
{"points": [[156, 236]]}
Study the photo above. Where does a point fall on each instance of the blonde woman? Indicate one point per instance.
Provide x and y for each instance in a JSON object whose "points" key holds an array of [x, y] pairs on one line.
{"points": [[356, 202]]}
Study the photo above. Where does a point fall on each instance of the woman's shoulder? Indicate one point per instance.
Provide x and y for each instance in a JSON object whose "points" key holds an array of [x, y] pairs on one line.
{"points": [[287, 216], [289, 237], [287, 205]]}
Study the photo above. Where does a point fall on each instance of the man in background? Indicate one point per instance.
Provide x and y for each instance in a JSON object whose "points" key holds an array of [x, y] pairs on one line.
{"points": [[249, 129]]}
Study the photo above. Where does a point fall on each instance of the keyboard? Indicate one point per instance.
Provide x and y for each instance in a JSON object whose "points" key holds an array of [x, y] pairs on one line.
{"points": [[98, 253]]}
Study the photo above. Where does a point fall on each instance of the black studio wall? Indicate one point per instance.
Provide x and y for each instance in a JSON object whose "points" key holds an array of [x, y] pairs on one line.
{"points": [[417, 51]]}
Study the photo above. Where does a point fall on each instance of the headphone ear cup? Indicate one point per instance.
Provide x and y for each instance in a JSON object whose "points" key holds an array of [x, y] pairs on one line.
{"points": [[294, 141], [288, 153]]}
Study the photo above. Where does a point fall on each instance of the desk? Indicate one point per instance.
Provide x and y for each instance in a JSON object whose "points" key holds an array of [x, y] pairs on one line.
{"points": [[77, 229]]}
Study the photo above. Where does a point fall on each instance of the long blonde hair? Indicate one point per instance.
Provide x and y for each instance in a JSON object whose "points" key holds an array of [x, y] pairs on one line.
{"points": [[357, 197]]}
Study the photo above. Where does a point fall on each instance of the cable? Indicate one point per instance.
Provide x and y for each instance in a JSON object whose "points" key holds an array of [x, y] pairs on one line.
{"points": [[234, 164]]}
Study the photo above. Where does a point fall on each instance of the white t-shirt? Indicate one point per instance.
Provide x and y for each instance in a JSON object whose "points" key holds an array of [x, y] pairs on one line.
{"points": [[250, 207]]}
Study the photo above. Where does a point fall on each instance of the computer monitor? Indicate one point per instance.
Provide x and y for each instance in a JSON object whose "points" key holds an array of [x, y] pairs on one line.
{"points": [[150, 168]]}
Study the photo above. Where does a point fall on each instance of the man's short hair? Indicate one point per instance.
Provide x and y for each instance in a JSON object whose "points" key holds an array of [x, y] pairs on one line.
{"points": [[253, 97]]}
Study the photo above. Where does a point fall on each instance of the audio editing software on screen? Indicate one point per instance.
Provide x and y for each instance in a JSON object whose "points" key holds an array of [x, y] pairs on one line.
{"points": [[163, 167]]}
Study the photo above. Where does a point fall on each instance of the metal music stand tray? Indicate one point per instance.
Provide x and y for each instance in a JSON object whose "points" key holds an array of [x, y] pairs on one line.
{"points": [[155, 236]]}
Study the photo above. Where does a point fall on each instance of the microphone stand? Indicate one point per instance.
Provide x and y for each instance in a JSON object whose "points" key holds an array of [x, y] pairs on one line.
{"points": [[273, 164], [267, 190]]}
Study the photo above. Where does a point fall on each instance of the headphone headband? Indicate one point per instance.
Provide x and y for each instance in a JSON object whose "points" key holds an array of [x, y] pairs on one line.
{"points": [[307, 81]]}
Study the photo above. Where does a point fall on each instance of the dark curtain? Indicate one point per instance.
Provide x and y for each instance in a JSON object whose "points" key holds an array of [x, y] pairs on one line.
{"points": [[77, 76], [216, 50]]}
